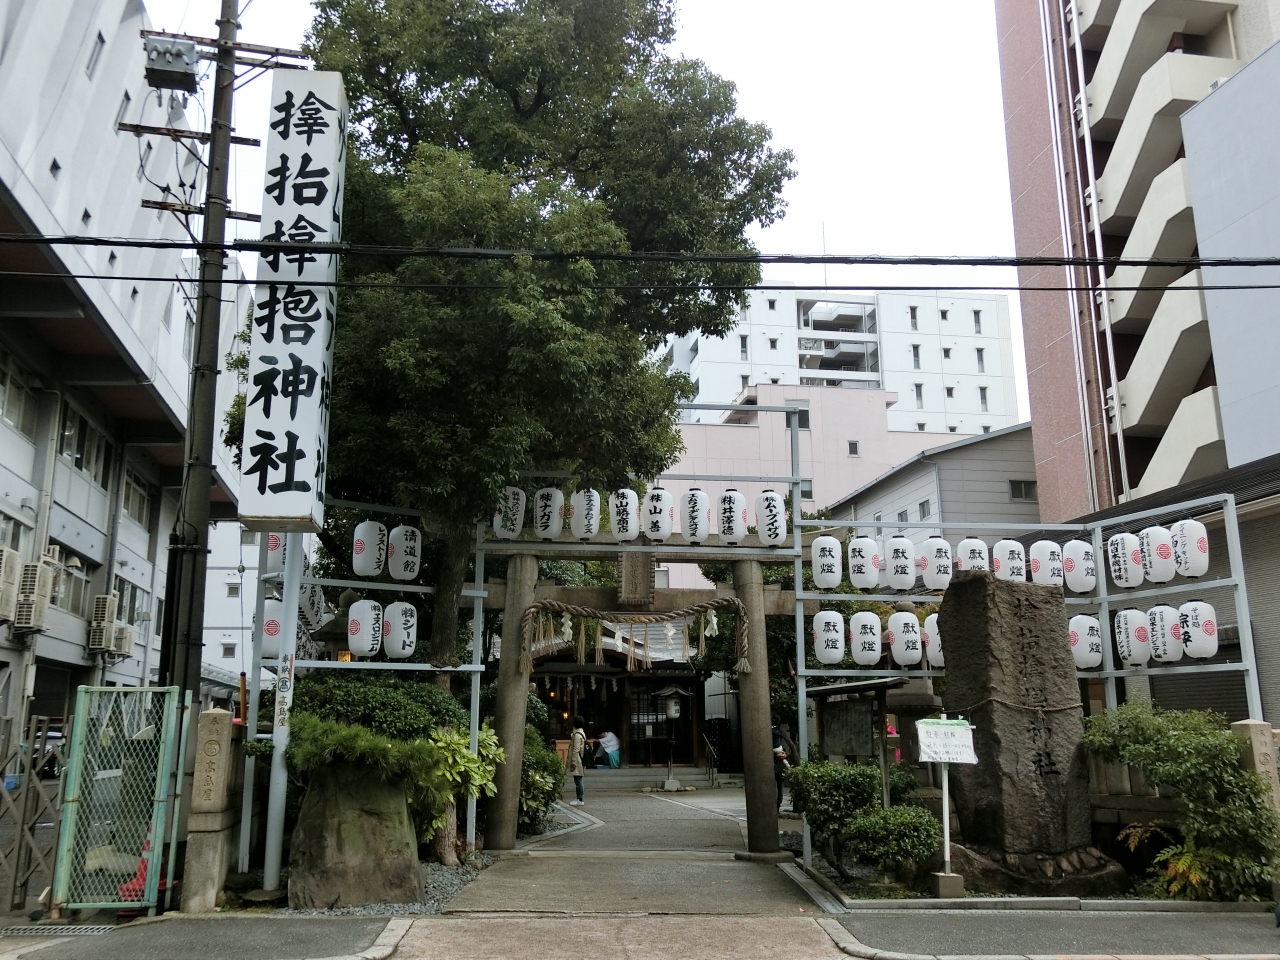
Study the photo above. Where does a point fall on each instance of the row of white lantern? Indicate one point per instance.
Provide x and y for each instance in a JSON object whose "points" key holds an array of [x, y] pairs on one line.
{"points": [[700, 519], [371, 628], [908, 642], [372, 548], [1157, 553], [896, 562], [1162, 634]]}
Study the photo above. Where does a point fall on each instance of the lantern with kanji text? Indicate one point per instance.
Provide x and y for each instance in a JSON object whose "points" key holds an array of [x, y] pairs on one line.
{"points": [[1156, 544], [1124, 560], [971, 554], [828, 637], [1085, 633], [584, 513], [864, 563], [933, 642], [1133, 637], [864, 638], [934, 560], [825, 556], [548, 513], [1079, 569], [369, 548], [404, 552], [400, 630], [624, 514], [508, 516], [1198, 627], [1164, 634], [695, 516], [1046, 563], [364, 628], [659, 514], [904, 639], [1190, 548], [731, 516]]}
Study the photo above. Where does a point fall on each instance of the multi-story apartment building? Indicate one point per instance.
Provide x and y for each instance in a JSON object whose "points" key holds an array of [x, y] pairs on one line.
{"points": [[95, 349], [948, 357], [1122, 373]]}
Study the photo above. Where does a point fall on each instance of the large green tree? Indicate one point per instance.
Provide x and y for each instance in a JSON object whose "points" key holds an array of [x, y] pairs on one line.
{"points": [[526, 124]]}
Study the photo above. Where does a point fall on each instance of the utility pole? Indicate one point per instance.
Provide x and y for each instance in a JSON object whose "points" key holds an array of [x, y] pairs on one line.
{"points": [[182, 639]]}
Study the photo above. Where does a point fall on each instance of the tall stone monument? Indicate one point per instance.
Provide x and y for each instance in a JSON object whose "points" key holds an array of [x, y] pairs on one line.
{"points": [[1024, 807]]}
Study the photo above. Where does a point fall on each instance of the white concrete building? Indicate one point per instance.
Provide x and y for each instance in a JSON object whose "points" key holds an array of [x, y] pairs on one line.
{"points": [[948, 357], [94, 363]]}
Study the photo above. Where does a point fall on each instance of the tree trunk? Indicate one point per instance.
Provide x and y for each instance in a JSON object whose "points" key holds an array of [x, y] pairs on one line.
{"points": [[455, 552], [444, 845]]}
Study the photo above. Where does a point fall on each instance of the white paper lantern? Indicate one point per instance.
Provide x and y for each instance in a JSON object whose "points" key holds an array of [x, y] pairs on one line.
{"points": [[1079, 568], [275, 553], [548, 512], [508, 517], [971, 554], [1133, 637], [659, 514], [584, 514], [400, 630], [1163, 634], [364, 628], [771, 518], [695, 516], [933, 641], [1190, 548], [864, 563], [864, 638], [904, 639], [828, 637], [934, 561], [1124, 560], [272, 618], [1198, 628], [404, 552], [900, 563], [369, 549], [624, 514], [673, 708], [825, 558], [1156, 544], [1086, 641], [1046, 563], [1009, 561], [731, 517]]}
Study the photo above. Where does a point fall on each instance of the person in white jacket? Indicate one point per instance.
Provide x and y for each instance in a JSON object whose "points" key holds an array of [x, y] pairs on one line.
{"points": [[611, 746]]}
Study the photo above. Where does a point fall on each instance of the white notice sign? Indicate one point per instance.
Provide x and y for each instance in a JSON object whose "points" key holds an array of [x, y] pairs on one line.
{"points": [[946, 741], [286, 425]]}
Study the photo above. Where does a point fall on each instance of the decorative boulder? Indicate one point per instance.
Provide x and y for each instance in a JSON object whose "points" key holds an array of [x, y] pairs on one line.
{"points": [[354, 843]]}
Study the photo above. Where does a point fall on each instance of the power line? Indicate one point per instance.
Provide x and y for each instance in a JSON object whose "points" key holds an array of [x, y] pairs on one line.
{"points": [[641, 287], [654, 257]]}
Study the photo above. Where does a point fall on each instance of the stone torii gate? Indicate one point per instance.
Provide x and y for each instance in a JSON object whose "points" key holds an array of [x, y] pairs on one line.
{"points": [[635, 594]]}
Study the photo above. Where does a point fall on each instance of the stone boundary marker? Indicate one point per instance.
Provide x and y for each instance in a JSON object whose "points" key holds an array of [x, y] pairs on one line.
{"points": [[854, 947]]}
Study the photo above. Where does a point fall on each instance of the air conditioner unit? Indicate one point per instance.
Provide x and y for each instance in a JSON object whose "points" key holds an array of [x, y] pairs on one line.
{"points": [[35, 590], [104, 608], [122, 640], [10, 577]]}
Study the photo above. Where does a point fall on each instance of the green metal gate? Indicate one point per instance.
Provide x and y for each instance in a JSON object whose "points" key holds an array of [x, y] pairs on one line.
{"points": [[113, 812]]}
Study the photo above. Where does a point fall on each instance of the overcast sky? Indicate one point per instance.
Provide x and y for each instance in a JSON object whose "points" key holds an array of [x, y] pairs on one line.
{"points": [[892, 109]]}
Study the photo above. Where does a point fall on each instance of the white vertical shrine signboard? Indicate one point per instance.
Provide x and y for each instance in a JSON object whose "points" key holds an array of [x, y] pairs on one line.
{"points": [[286, 425]]}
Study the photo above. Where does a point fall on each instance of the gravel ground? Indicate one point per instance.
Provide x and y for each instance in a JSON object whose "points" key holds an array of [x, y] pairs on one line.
{"points": [[442, 885]]}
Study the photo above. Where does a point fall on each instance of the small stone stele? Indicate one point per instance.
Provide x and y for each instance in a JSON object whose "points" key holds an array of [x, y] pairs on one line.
{"points": [[946, 886]]}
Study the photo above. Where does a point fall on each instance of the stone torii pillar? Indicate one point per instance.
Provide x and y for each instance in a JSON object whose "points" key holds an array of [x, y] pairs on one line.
{"points": [[755, 721], [511, 706]]}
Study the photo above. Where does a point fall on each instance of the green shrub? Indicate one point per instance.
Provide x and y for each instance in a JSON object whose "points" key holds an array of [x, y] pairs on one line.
{"points": [[897, 838], [1223, 844], [833, 796], [542, 775], [395, 707], [536, 713]]}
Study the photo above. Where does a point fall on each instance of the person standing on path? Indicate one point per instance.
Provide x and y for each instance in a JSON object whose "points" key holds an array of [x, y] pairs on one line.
{"points": [[780, 763], [577, 744]]}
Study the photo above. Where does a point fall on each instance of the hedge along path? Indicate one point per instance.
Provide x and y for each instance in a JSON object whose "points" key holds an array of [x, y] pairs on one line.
{"points": [[539, 635]]}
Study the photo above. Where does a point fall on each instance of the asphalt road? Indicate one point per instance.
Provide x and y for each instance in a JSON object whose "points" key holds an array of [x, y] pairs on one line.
{"points": [[1065, 932]]}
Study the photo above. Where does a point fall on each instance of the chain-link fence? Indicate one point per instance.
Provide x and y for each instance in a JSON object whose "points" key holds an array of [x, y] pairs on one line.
{"points": [[116, 794], [30, 807]]}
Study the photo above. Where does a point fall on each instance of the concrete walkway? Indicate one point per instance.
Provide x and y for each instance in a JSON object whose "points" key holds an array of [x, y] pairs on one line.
{"points": [[711, 820]]}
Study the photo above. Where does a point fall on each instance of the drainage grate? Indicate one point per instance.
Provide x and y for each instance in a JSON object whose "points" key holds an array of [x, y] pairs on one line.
{"points": [[55, 931]]}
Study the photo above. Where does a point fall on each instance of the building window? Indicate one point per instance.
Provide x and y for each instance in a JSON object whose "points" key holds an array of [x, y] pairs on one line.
{"points": [[17, 400], [84, 447], [876, 515], [773, 343], [742, 347], [802, 419], [982, 398], [13, 534], [137, 498], [697, 388], [773, 304], [248, 538], [233, 588], [745, 381], [228, 651], [95, 54], [86, 216], [853, 449], [55, 168], [951, 429], [919, 396], [951, 392], [157, 622], [71, 587], [982, 360], [946, 353], [942, 314], [902, 516], [915, 356], [188, 336], [977, 321], [1023, 490], [134, 601], [915, 320], [986, 428], [143, 158], [123, 109], [920, 427], [925, 512], [806, 489]]}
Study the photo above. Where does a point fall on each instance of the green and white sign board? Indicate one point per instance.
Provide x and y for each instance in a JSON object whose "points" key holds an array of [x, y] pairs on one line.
{"points": [[946, 741]]}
